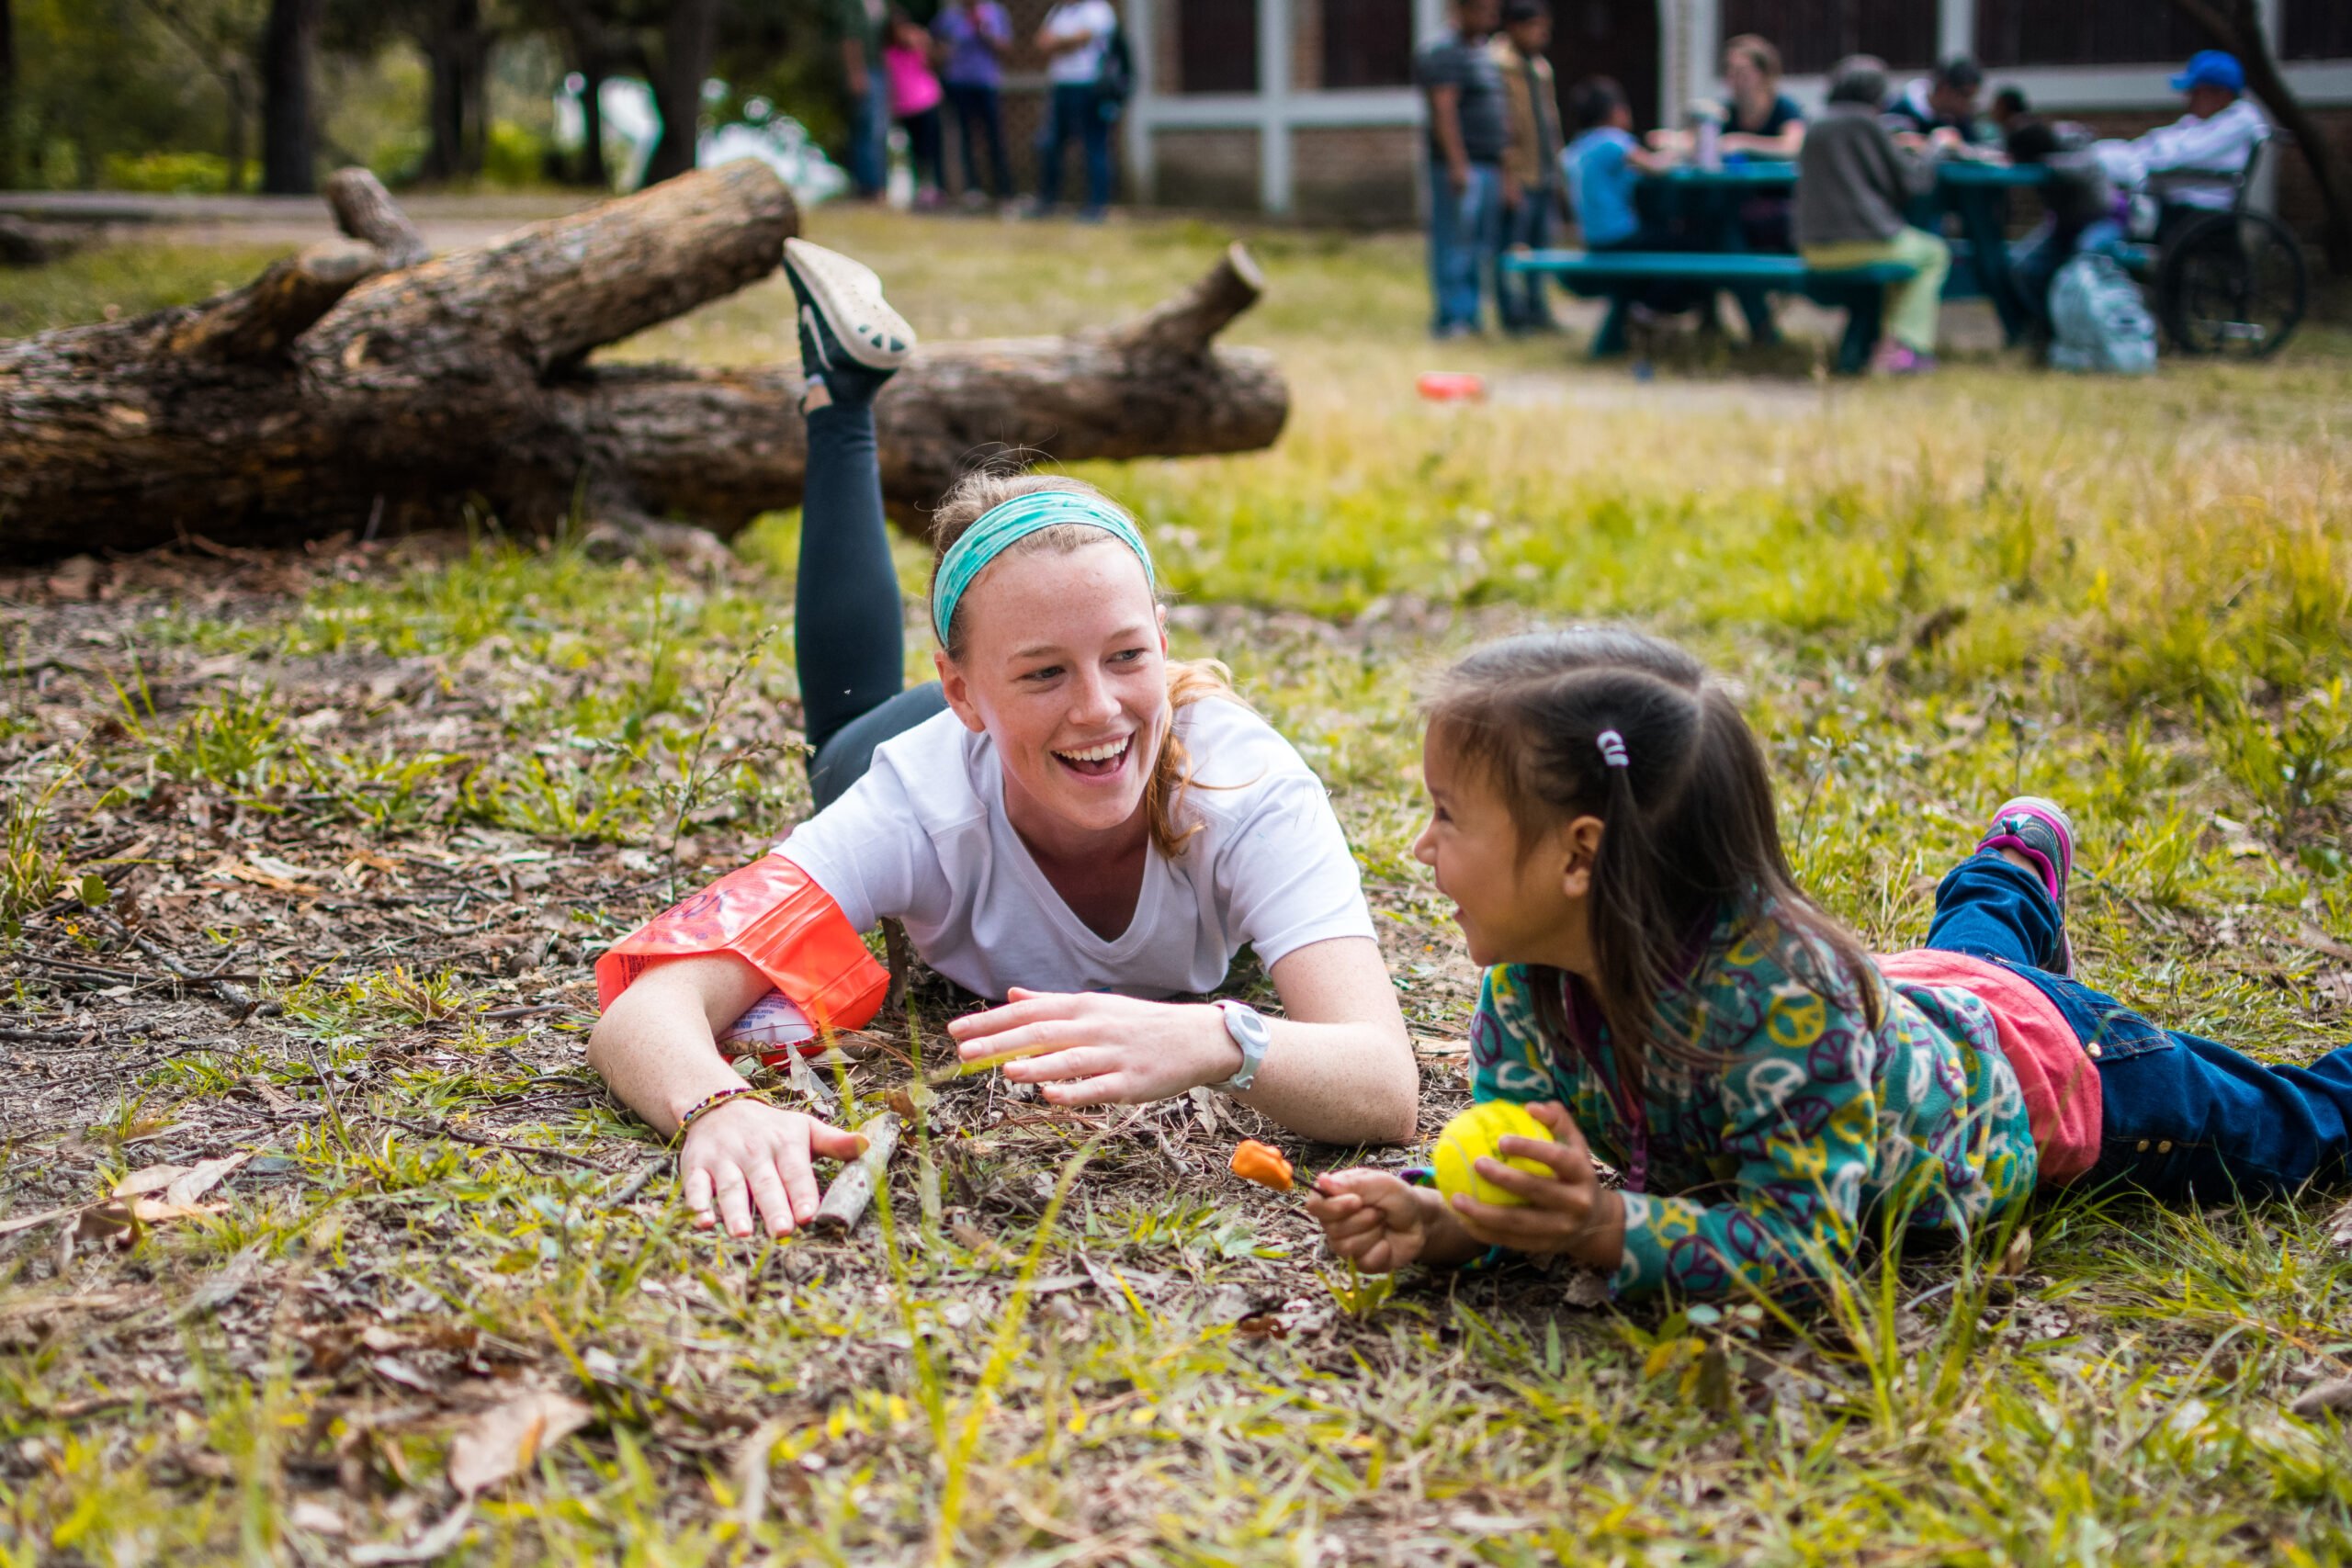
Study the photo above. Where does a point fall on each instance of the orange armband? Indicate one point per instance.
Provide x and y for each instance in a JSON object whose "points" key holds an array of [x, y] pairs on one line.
{"points": [[772, 915]]}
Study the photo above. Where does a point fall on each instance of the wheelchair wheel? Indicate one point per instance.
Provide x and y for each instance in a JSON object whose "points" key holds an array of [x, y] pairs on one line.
{"points": [[2233, 283]]}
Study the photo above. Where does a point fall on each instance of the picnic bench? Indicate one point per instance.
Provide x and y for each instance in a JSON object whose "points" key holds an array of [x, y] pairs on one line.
{"points": [[1620, 276]]}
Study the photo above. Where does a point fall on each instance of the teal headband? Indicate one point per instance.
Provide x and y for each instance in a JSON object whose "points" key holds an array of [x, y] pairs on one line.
{"points": [[1001, 526]]}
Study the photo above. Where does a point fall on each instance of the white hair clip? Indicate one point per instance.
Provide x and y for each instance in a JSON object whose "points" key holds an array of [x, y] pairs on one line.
{"points": [[1613, 748]]}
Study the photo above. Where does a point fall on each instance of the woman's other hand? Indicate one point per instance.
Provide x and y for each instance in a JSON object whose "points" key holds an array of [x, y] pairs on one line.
{"points": [[744, 1156], [1094, 1048]]}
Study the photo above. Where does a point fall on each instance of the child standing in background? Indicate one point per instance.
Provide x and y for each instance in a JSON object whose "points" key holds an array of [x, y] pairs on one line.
{"points": [[914, 98], [1660, 992]]}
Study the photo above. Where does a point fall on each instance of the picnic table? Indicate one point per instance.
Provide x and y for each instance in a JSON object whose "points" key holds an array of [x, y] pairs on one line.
{"points": [[1705, 205]]}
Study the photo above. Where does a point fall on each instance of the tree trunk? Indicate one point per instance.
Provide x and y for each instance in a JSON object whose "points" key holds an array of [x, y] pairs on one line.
{"points": [[2237, 25], [8, 94], [687, 40], [324, 397], [457, 52], [288, 139]]}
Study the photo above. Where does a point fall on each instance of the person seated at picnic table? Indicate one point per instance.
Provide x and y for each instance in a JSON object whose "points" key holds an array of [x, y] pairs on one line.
{"points": [[2210, 145], [1067, 819], [1941, 107], [1759, 120], [1853, 183], [1603, 168]]}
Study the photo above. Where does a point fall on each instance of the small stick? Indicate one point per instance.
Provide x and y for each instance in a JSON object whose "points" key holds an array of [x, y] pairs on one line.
{"points": [[640, 1182], [480, 1142], [984, 1064], [853, 1187]]}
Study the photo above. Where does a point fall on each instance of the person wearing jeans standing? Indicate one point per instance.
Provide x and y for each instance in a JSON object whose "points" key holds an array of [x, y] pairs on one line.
{"points": [[861, 24], [1468, 134], [1074, 38], [1530, 160], [976, 34]]}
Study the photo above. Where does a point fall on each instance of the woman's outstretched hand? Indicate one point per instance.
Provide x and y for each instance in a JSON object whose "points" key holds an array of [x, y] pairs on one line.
{"points": [[1098, 1049], [745, 1154], [1565, 1209]]}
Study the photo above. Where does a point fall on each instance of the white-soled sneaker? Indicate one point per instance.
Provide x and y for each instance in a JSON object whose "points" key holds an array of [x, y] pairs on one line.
{"points": [[850, 338]]}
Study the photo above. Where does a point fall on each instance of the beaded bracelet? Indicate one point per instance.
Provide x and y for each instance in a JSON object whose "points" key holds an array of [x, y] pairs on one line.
{"points": [[712, 1101]]}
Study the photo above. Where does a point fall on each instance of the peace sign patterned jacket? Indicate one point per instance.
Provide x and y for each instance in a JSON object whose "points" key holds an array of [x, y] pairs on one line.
{"points": [[1805, 1126]]}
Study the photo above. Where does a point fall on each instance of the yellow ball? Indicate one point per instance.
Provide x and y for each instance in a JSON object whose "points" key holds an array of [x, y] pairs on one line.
{"points": [[1475, 1132]]}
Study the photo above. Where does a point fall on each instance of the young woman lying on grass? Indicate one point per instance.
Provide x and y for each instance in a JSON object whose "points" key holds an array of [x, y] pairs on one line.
{"points": [[1661, 992], [1064, 818]]}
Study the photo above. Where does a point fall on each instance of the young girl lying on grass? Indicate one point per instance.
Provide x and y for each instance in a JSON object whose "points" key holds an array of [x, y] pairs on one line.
{"points": [[1660, 992]]}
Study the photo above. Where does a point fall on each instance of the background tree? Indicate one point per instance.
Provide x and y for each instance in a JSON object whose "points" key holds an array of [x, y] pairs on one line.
{"points": [[2237, 26], [689, 41], [289, 134], [8, 93], [222, 35]]}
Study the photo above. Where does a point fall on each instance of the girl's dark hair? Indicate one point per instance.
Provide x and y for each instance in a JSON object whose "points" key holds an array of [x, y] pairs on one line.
{"points": [[1688, 831], [1189, 680], [1593, 100]]}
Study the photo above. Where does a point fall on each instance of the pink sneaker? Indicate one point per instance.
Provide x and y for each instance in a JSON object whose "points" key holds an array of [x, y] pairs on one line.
{"points": [[2040, 830], [1902, 359]]}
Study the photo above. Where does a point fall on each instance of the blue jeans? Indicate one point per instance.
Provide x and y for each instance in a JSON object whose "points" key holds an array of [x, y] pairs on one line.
{"points": [[1466, 233], [1076, 110], [980, 117], [869, 139], [1520, 298], [2184, 1118]]}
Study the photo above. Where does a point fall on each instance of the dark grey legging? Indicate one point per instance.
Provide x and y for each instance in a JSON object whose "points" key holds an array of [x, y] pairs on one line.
{"points": [[851, 642]]}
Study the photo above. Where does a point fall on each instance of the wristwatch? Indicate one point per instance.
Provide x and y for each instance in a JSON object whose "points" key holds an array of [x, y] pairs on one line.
{"points": [[1250, 1032]]}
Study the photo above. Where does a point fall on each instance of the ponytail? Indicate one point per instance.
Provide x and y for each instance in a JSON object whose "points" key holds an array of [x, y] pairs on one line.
{"points": [[1636, 732]]}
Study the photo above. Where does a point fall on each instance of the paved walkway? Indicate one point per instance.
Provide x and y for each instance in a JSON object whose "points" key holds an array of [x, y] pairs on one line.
{"points": [[446, 221]]}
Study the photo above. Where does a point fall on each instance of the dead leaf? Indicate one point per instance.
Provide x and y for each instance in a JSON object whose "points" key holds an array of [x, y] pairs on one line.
{"points": [[392, 1369], [507, 1437], [2308, 935], [750, 1476], [2338, 1226], [310, 1514], [222, 1287], [202, 1177], [2019, 1254], [26, 1222], [1586, 1288], [436, 1542], [2334, 1395], [148, 1178]]}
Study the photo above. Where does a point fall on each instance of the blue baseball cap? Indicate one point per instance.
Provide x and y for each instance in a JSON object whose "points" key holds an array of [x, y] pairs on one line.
{"points": [[2211, 68]]}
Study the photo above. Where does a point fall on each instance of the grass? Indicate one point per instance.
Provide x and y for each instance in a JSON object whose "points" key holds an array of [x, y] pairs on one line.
{"points": [[2134, 596]]}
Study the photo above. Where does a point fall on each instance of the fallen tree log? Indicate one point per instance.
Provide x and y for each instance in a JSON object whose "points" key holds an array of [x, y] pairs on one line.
{"points": [[363, 386]]}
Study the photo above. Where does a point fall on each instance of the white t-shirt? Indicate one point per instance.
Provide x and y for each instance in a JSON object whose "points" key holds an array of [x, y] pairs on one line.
{"points": [[923, 837], [1094, 19]]}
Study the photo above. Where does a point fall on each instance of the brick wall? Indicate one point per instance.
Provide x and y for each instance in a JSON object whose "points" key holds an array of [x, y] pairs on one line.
{"points": [[1359, 175], [1306, 45], [2299, 201], [1213, 169]]}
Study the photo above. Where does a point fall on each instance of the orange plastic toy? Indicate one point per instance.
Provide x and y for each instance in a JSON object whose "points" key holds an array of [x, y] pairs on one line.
{"points": [[1262, 1164]]}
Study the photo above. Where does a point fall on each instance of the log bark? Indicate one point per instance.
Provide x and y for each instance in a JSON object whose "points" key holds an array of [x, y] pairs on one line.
{"points": [[362, 385]]}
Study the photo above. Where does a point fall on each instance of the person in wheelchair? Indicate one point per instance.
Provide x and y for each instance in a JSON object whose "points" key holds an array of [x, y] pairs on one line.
{"points": [[2178, 173]]}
